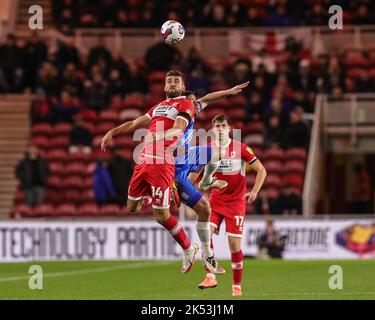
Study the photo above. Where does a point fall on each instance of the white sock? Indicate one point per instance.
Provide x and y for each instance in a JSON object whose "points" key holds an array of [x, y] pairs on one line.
{"points": [[204, 234], [189, 250], [209, 171]]}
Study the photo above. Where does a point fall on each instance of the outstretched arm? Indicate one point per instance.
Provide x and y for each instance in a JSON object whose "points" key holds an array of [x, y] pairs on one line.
{"points": [[127, 127], [213, 96], [176, 131], [261, 174]]}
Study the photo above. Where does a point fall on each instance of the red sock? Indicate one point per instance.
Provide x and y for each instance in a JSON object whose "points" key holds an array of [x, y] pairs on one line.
{"points": [[237, 264], [212, 244], [176, 230]]}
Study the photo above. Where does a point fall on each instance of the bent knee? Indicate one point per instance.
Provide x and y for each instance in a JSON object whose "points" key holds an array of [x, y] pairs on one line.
{"points": [[203, 208]]}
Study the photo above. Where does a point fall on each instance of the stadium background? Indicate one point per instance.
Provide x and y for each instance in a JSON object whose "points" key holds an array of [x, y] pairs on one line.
{"points": [[308, 114]]}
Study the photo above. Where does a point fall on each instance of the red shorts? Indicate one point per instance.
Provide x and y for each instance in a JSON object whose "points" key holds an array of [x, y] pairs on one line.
{"points": [[153, 180], [234, 217]]}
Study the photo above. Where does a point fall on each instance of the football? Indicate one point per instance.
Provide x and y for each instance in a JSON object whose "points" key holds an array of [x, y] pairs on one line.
{"points": [[172, 32]]}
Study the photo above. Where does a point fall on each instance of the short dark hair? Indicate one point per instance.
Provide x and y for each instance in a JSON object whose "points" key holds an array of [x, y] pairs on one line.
{"points": [[187, 93], [175, 73], [220, 118]]}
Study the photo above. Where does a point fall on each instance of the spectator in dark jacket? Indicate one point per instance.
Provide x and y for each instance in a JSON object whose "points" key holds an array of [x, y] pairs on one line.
{"points": [[65, 108], [288, 202], [271, 244], [96, 93], [162, 56], [296, 133], [80, 138], [121, 171], [103, 187], [272, 133], [32, 171], [41, 108]]}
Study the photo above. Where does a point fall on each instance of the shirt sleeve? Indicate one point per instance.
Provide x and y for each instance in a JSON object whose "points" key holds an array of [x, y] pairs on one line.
{"points": [[149, 112], [247, 154], [186, 110]]}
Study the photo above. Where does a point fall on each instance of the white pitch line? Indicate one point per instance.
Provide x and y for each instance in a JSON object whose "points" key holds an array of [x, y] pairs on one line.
{"points": [[88, 271]]}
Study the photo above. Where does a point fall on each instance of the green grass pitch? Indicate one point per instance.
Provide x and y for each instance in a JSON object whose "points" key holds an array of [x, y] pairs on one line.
{"points": [[163, 280]]}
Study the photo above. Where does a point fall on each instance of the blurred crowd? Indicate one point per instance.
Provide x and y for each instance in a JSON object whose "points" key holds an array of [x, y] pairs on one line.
{"points": [[71, 14]]}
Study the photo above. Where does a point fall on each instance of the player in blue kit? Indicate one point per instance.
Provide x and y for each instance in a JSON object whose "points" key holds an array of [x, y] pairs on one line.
{"points": [[190, 159]]}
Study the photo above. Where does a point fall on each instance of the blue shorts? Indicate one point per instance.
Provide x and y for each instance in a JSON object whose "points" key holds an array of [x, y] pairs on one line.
{"points": [[197, 158]]}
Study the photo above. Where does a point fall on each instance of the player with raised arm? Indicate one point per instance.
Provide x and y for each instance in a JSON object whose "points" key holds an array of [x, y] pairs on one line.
{"points": [[229, 204], [191, 160], [154, 171]]}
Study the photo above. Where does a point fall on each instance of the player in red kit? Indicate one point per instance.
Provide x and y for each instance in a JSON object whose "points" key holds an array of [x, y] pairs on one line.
{"points": [[229, 204], [154, 171]]}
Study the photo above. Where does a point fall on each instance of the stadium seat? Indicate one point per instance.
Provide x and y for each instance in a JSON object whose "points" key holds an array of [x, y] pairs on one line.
{"points": [[87, 209], [294, 166], [75, 168], [253, 140], [293, 179], [87, 195], [41, 129], [103, 127], [130, 114], [21, 210], [41, 141], [54, 182], [65, 210], [43, 210], [273, 154], [254, 127], [272, 180], [54, 196], [272, 193], [73, 182], [56, 155], [79, 156], [56, 167], [62, 129], [73, 196], [110, 210], [125, 141], [237, 102], [59, 141], [19, 197], [109, 115], [134, 101], [296, 153], [273, 166]]}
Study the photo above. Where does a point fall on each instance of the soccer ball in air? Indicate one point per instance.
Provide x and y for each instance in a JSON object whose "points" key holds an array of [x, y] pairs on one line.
{"points": [[172, 32]]}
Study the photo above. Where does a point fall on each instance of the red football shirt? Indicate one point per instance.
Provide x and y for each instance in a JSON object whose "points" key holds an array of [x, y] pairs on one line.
{"points": [[233, 170], [163, 116]]}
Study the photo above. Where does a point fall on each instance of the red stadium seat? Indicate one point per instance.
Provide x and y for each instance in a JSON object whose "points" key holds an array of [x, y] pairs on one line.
{"points": [[236, 113], [125, 141], [272, 193], [273, 166], [253, 140], [59, 141], [42, 129], [65, 210], [130, 114], [134, 101], [294, 166], [87, 195], [254, 127], [54, 196], [19, 197], [88, 209], [103, 127], [296, 153], [43, 210], [62, 129], [273, 154], [56, 155], [110, 210], [293, 179], [108, 115], [21, 210], [54, 182], [79, 156], [156, 88], [41, 141], [75, 168], [73, 196], [73, 182], [237, 102], [56, 168], [88, 183], [272, 180]]}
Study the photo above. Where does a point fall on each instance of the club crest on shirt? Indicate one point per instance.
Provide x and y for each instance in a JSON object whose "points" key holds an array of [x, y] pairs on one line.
{"points": [[249, 150]]}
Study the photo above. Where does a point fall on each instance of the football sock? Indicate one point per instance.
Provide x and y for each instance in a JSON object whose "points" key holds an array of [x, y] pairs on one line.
{"points": [[176, 230], [204, 234], [209, 170], [237, 265]]}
